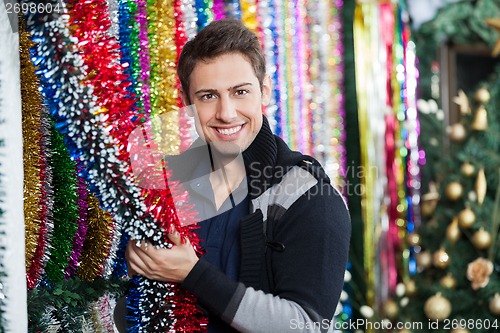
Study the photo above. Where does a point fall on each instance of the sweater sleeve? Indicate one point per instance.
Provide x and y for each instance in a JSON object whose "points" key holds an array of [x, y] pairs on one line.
{"points": [[308, 275]]}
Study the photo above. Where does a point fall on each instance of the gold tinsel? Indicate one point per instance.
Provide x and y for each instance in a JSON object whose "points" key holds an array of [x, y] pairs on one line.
{"points": [[97, 241], [31, 104], [164, 89], [249, 14]]}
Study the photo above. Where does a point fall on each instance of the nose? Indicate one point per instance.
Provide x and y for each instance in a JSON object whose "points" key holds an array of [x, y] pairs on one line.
{"points": [[226, 111]]}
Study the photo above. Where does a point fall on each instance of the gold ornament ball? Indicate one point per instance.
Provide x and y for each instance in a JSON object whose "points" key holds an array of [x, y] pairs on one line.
{"points": [[482, 95], [424, 259], [467, 169], [453, 231], [495, 305], [413, 239], [437, 307], [448, 281], [457, 132], [391, 309], [466, 218], [454, 191], [481, 239], [460, 330], [410, 288], [441, 259]]}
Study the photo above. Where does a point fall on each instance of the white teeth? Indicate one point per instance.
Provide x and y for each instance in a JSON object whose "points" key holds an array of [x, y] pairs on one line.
{"points": [[229, 131]]}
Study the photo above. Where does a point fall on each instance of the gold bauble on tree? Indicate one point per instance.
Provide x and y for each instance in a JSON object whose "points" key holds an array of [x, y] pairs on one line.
{"points": [[410, 288], [424, 259], [467, 169], [481, 239], [466, 218], [494, 305], [481, 186], [391, 309], [448, 281], [454, 191], [480, 122], [440, 258], [457, 132], [437, 307], [482, 95], [453, 231]]}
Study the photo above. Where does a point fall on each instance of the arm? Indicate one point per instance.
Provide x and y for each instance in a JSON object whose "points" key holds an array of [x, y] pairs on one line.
{"points": [[308, 275]]}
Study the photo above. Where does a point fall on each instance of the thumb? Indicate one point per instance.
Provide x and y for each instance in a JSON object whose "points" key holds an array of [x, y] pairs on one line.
{"points": [[174, 235]]}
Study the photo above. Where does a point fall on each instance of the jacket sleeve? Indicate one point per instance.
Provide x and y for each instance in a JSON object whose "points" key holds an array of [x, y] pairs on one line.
{"points": [[308, 274]]}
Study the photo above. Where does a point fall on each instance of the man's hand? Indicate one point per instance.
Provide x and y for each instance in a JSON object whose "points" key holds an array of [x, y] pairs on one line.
{"points": [[161, 264]]}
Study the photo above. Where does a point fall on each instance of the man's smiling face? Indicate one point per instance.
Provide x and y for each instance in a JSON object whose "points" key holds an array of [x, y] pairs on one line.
{"points": [[228, 101]]}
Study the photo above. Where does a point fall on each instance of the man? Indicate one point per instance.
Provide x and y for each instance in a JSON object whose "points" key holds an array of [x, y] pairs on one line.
{"points": [[276, 253]]}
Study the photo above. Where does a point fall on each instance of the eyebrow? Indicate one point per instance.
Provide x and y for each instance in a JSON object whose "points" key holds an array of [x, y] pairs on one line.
{"points": [[213, 91]]}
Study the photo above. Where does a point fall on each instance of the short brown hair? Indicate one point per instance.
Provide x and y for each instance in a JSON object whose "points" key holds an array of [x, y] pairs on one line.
{"points": [[218, 38]]}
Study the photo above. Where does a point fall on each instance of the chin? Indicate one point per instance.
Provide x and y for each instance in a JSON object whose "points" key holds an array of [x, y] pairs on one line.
{"points": [[226, 149]]}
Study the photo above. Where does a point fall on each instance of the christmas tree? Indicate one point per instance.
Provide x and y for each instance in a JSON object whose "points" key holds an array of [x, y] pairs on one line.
{"points": [[457, 283]]}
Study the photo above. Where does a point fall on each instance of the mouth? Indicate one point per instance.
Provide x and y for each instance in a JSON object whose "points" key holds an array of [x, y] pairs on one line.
{"points": [[228, 131]]}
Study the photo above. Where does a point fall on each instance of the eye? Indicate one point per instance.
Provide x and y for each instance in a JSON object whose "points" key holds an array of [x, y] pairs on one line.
{"points": [[207, 97], [241, 92]]}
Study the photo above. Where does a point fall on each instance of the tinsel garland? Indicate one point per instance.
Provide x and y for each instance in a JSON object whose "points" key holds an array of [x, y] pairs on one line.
{"points": [[218, 9], [267, 13], [126, 37], [102, 314], [336, 161], [97, 245], [249, 15], [164, 89], [42, 252], [204, 13], [65, 208], [144, 63], [189, 17], [81, 222], [38, 191], [31, 102], [185, 20]]}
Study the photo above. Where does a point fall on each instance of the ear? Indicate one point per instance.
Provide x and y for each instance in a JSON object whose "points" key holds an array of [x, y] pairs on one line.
{"points": [[266, 90], [185, 103]]}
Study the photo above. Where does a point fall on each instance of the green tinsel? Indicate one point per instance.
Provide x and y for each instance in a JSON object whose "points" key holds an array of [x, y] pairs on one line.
{"points": [[65, 208]]}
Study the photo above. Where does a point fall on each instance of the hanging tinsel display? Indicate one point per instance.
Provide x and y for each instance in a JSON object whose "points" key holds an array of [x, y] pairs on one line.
{"points": [[386, 100], [97, 118]]}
